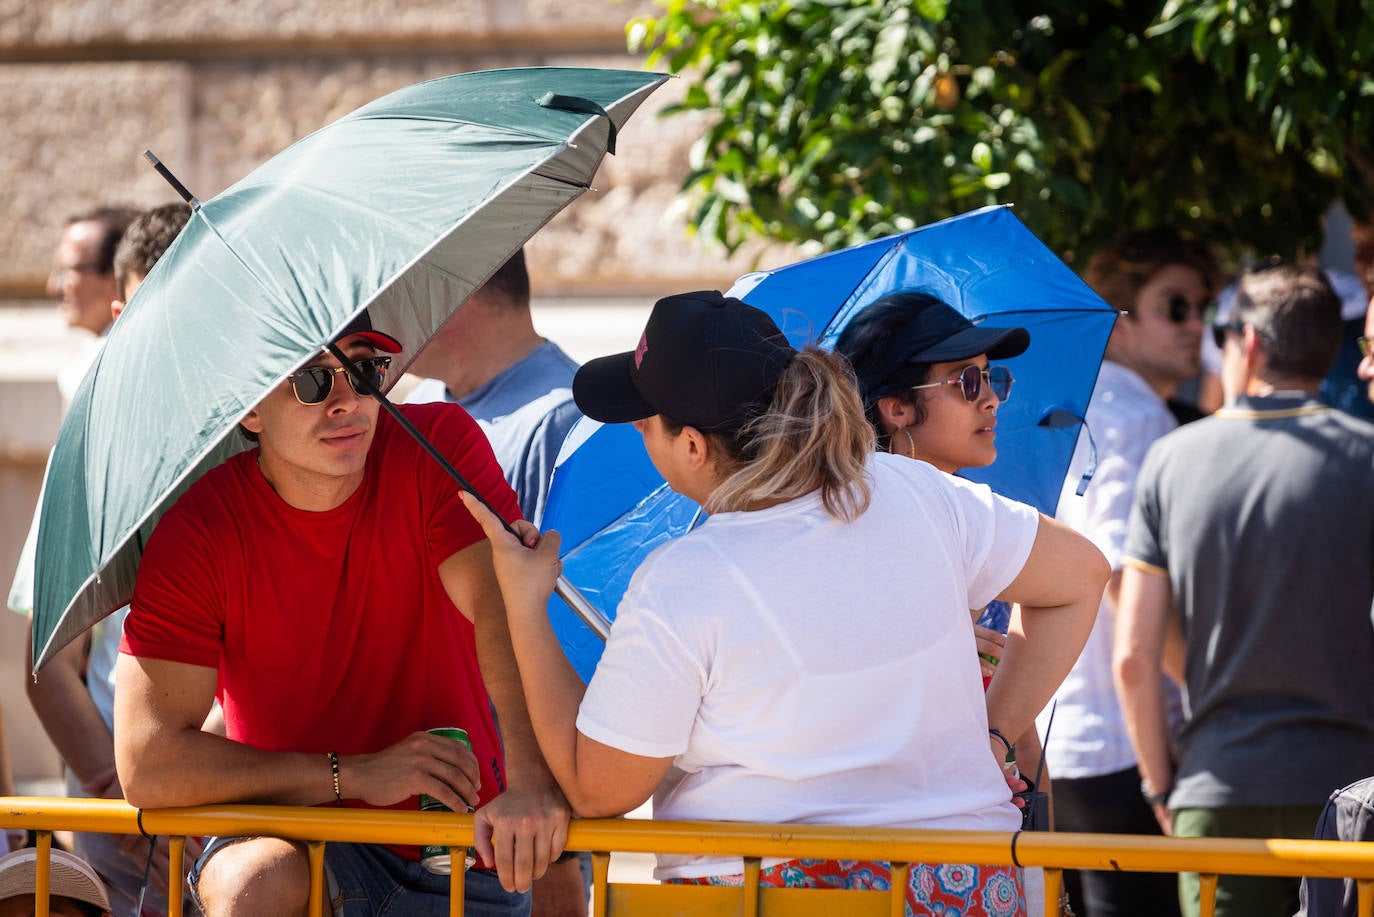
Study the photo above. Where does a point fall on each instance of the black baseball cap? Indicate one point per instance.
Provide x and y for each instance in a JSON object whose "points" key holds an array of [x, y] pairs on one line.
{"points": [[362, 326], [705, 360], [926, 330]]}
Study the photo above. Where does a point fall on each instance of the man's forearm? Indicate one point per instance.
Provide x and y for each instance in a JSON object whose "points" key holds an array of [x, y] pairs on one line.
{"points": [[1138, 651], [1142, 707], [188, 767]]}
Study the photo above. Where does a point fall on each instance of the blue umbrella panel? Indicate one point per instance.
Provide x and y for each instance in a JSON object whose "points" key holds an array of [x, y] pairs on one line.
{"points": [[613, 508], [993, 270]]}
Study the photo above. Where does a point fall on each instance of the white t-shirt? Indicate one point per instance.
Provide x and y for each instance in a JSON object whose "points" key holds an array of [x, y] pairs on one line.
{"points": [[806, 670]]}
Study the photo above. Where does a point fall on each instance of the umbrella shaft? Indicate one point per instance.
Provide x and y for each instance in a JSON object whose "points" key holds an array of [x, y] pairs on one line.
{"points": [[589, 613]]}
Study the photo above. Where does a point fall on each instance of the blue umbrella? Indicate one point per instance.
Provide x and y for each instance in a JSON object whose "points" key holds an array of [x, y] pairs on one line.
{"points": [[613, 508]]}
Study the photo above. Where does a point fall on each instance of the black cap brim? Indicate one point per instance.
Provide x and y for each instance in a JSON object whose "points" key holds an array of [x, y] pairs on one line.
{"points": [[603, 390], [997, 343]]}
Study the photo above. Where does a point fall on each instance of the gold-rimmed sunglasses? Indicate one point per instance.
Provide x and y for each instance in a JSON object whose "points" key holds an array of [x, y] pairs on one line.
{"points": [[313, 384]]}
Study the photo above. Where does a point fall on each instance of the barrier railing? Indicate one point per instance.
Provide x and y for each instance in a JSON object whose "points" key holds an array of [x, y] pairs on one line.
{"points": [[1055, 852]]}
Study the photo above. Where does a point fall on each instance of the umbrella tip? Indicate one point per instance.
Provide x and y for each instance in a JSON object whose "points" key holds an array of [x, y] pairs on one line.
{"points": [[171, 179]]}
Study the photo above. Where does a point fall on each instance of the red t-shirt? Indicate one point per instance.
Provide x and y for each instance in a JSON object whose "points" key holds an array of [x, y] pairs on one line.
{"points": [[331, 630]]}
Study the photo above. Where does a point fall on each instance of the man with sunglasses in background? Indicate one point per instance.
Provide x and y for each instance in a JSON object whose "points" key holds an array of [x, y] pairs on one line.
{"points": [[332, 588], [1343, 387], [1162, 284], [1253, 533]]}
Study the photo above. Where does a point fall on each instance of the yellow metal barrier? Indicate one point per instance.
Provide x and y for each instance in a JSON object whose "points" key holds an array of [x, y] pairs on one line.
{"points": [[1055, 852]]}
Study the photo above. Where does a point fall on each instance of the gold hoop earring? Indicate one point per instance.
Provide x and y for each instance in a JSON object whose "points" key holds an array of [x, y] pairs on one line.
{"points": [[911, 443]]}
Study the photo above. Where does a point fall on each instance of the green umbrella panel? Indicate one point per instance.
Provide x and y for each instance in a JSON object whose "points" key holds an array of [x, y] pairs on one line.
{"points": [[402, 208]]}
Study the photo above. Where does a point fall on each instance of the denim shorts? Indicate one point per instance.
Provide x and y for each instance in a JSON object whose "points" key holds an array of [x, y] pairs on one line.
{"points": [[369, 880]]}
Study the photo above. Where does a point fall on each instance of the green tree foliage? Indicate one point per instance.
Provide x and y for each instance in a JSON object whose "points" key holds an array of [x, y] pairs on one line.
{"points": [[843, 120]]}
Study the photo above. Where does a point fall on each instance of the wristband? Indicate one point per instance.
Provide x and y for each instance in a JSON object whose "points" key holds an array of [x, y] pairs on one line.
{"points": [[1151, 797], [1011, 749], [334, 771]]}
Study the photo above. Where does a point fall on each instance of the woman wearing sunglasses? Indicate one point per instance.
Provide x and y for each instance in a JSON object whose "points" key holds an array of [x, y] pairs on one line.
{"points": [[930, 393], [746, 678]]}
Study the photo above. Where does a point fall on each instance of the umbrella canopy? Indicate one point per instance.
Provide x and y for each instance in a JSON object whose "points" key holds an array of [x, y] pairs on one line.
{"points": [[612, 508], [401, 208]]}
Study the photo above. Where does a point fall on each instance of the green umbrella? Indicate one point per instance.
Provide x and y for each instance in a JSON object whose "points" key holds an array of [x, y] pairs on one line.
{"points": [[402, 209]]}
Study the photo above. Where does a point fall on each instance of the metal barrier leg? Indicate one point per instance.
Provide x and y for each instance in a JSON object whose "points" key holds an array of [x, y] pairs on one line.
{"points": [[176, 876], [457, 885], [316, 907], [42, 874], [601, 872], [901, 878], [1207, 893], [751, 886], [1364, 889], [1054, 890]]}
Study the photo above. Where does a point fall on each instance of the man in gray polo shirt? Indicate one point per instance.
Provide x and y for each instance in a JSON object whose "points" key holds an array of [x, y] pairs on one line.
{"points": [[1254, 531]]}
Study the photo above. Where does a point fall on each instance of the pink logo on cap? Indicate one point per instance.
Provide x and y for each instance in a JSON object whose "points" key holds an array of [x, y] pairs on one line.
{"points": [[642, 349]]}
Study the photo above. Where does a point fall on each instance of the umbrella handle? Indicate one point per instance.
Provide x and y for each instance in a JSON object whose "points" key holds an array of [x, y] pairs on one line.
{"points": [[581, 106], [589, 613]]}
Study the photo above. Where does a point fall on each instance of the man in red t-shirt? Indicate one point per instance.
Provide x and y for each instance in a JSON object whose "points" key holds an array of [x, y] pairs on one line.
{"points": [[333, 588]]}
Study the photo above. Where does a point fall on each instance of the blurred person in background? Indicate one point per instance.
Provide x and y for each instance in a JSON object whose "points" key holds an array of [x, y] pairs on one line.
{"points": [[1252, 535], [1163, 284], [1344, 386], [10, 838], [83, 280], [73, 695]]}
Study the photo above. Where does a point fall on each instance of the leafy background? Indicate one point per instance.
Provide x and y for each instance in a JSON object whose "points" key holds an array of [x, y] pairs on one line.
{"points": [[838, 121]]}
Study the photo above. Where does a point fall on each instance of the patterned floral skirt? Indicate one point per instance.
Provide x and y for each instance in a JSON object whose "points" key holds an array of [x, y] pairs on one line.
{"points": [[939, 890]]}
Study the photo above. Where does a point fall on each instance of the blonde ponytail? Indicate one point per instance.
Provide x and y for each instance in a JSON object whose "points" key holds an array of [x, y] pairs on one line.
{"points": [[814, 436]]}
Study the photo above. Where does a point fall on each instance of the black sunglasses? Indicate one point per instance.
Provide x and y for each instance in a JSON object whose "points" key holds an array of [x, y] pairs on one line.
{"points": [[1180, 309], [314, 383], [970, 382], [1219, 332]]}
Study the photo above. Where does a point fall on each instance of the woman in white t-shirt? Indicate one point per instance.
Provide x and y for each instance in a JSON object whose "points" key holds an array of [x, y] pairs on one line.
{"points": [[806, 655]]}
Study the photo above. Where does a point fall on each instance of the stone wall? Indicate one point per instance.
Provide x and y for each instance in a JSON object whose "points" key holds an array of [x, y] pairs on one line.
{"points": [[214, 89]]}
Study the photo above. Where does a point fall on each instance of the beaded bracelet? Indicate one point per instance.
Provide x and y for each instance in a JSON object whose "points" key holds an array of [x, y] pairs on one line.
{"points": [[334, 770]]}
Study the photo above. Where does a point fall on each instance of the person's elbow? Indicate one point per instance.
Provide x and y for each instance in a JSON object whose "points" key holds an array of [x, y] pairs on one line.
{"points": [[591, 807], [1090, 570], [1101, 570], [603, 801], [1133, 668], [142, 780]]}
